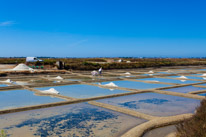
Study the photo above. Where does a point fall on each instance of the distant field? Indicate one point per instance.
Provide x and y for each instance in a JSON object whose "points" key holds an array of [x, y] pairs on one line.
{"points": [[110, 63]]}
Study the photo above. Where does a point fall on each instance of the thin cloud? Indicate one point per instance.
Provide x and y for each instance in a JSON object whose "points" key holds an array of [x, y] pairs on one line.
{"points": [[6, 23], [78, 43]]}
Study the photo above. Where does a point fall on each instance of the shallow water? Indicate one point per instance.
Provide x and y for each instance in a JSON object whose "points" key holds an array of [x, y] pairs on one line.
{"points": [[83, 91], [185, 89], [70, 120], [166, 72], [73, 79], [3, 85], [155, 104], [196, 74], [202, 94], [160, 132], [202, 69], [170, 80], [136, 85], [189, 77], [20, 98], [202, 84]]}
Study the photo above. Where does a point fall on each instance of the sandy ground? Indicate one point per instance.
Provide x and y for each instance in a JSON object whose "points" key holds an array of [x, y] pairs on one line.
{"points": [[2, 66]]}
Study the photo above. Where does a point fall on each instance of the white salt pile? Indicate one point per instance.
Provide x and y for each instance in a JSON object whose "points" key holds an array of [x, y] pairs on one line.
{"points": [[204, 78], [58, 77], [111, 84], [183, 80], [22, 67], [7, 81], [50, 91], [94, 73], [151, 72], [183, 77], [127, 73], [204, 74], [21, 83]]}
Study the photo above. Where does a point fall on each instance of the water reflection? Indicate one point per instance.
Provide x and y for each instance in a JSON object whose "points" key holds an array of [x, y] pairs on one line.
{"points": [[3, 85], [155, 104], [21, 98], [71, 120], [185, 89], [136, 85], [83, 91], [170, 80]]}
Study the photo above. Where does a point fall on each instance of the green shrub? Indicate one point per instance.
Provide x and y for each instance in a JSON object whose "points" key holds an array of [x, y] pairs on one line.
{"points": [[3, 134]]}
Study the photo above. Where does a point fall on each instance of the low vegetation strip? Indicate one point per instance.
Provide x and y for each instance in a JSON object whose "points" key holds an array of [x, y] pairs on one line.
{"points": [[110, 63], [196, 125]]}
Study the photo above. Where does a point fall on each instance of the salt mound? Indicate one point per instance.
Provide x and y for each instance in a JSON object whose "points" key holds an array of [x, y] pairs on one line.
{"points": [[22, 67], [7, 81], [151, 72], [50, 91], [204, 78], [183, 77], [58, 77], [94, 73], [21, 83], [111, 84], [183, 80], [204, 74], [127, 76], [127, 73]]}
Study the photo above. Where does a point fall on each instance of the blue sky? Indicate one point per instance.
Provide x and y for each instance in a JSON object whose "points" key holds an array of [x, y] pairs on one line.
{"points": [[103, 28]]}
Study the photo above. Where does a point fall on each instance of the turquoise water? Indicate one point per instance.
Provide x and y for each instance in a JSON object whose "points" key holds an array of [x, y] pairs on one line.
{"points": [[83, 91], [136, 85], [21, 98], [170, 80], [74, 120], [154, 104], [185, 89]]}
